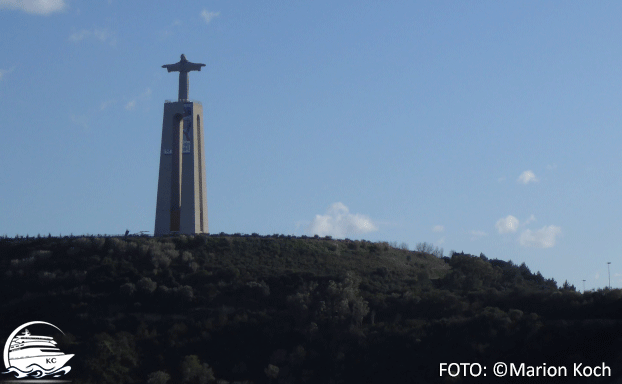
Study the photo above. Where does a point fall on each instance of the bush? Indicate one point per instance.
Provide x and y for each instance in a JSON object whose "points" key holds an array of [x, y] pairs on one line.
{"points": [[159, 259], [186, 293], [429, 248], [128, 289], [272, 371], [147, 285], [260, 286], [345, 301], [186, 257], [194, 372], [158, 377]]}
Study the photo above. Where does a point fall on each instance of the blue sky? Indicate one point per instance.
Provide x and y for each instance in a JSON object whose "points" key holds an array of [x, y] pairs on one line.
{"points": [[481, 126]]}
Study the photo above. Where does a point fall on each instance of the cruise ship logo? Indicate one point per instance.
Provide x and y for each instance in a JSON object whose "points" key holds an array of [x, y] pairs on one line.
{"points": [[34, 356]]}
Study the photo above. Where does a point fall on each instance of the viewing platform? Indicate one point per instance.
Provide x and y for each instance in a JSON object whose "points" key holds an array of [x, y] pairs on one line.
{"points": [[182, 101]]}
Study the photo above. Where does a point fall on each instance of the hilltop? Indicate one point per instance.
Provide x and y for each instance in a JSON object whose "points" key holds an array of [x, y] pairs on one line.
{"points": [[282, 309]]}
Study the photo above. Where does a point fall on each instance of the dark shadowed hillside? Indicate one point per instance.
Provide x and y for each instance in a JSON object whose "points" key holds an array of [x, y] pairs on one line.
{"points": [[251, 309]]}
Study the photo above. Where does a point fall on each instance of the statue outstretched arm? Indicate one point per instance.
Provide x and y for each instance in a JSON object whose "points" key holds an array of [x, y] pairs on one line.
{"points": [[172, 67]]}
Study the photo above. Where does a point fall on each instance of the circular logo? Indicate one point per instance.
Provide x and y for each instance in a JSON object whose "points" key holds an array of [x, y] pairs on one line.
{"points": [[32, 355]]}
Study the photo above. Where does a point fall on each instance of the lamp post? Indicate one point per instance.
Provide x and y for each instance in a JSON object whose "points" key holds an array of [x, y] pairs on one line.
{"points": [[583, 285], [609, 274]]}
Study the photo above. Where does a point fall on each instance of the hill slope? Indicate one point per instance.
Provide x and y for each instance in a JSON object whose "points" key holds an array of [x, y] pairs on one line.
{"points": [[289, 310]]}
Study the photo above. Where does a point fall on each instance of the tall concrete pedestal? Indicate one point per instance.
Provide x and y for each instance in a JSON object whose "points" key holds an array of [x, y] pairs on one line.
{"points": [[182, 198]]}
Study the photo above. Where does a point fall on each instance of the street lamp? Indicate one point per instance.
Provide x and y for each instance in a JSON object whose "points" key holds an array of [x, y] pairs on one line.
{"points": [[609, 274], [583, 285]]}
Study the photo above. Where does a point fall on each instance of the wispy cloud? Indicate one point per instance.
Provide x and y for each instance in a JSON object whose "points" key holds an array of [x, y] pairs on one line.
{"points": [[130, 105], [507, 224], [81, 120], [339, 222], [531, 218], [438, 228], [105, 36], [4, 72], [551, 167], [169, 30], [476, 235], [542, 238], [106, 104], [37, 7], [208, 16], [527, 177], [79, 36], [102, 34]]}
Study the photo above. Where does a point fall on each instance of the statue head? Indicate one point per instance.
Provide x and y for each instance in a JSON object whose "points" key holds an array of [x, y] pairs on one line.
{"points": [[183, 57]]}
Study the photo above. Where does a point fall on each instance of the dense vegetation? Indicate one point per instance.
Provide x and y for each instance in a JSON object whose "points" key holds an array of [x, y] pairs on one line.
{"points": [[280, 309]]}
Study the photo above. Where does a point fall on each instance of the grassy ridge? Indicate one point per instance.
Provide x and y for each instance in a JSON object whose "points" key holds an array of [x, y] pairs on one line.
{"points": [[281, 309]]}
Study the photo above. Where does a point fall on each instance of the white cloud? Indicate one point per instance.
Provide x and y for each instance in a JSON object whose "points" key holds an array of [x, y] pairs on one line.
{"points": [[438, 228], [169, 30], [551, 167], [104, 35], [101, 34], [529, 220], [338, 222], [81, 35], [81, 120], [132, 103], [106, 104], [208, 15], [476, 235], [37, 7], [5, 72], [507, 224], [527, 177], [542, 238]]}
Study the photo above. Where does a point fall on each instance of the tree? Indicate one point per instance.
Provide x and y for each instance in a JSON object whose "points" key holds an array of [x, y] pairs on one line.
{"points": [[113, 358], [158, 377], [272, 372], [568, 287], [429, 248], [196, 373]]}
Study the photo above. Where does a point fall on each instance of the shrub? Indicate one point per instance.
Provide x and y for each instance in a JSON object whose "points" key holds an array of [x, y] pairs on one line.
{"points": [[159, 259], [186, 293], [41, 254], [345, 301], [194, 372], [128, 289], [117, 245], [46, 277], [147, 285], [430, 249], [272, 371], [186, 257], [158, 377], [261, 286]]}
